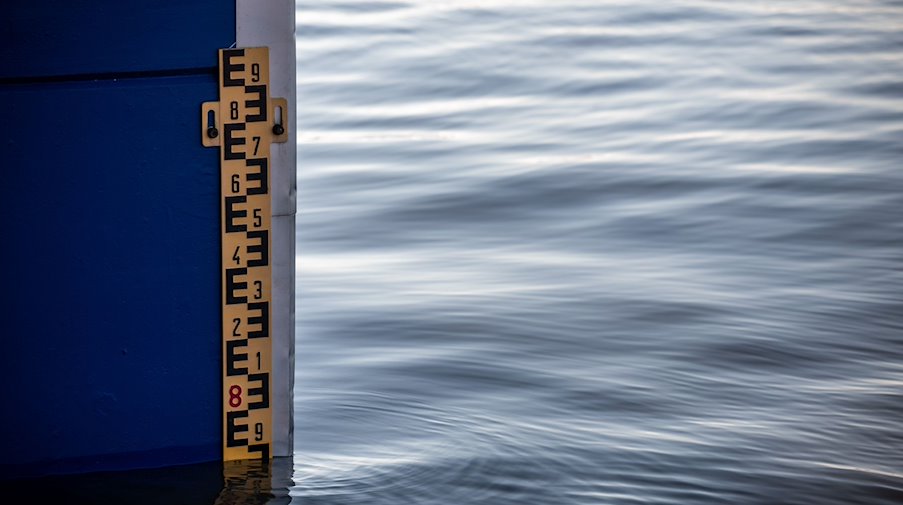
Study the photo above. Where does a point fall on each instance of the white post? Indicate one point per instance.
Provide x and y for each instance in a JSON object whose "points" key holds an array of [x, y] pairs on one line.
{"points": [[271, 23]]}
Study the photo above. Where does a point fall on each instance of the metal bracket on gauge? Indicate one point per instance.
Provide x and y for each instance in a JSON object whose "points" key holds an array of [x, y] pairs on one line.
{"points": [[243, 124]]}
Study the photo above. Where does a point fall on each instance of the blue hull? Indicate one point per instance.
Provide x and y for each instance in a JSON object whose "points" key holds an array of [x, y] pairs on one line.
{"points": [[111, 304]]}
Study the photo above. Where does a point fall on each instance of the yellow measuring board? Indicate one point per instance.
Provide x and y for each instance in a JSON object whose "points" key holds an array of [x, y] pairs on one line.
{"points": [[244, 123]]}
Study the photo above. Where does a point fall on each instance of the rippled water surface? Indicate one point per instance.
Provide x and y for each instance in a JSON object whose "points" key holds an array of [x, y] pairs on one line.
{"points": [[567, 252]]}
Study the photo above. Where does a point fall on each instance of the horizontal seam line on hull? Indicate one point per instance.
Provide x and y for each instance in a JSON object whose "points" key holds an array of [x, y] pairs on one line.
{"points": [[108, 76]]}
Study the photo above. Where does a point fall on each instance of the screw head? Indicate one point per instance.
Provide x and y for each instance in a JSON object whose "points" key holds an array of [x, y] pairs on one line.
{"points": [[278, 129], [212, 132]]}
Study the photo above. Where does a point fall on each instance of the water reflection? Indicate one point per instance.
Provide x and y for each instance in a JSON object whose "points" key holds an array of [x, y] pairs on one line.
{"points": [[231, 483], [256, 482]]}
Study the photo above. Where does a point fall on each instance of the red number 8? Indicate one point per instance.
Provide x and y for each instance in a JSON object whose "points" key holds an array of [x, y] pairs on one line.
{"points": [[235, 396]]}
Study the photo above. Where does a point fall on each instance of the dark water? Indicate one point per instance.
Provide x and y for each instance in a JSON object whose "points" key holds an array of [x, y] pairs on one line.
{"points": [[570, 252]]}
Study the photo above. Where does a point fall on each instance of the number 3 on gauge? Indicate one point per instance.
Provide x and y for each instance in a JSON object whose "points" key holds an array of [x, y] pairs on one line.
{"points": [[258, 290]]}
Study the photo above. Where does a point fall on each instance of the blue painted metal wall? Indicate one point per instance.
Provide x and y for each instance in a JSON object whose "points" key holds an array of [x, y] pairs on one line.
{"points": [[60, 37], [111, 331]]}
